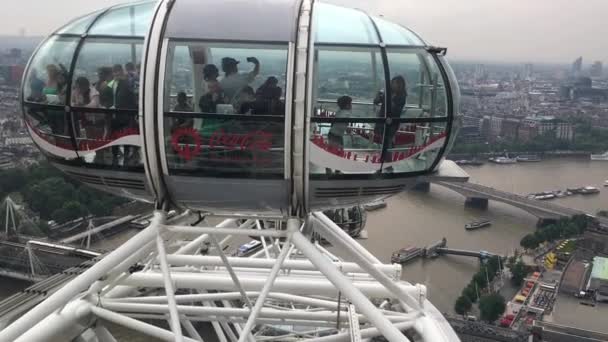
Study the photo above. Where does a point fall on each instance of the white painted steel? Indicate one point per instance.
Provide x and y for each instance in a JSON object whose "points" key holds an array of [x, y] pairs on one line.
{"points": [[147, 110], [299, 137], [329, 225], [224, 231], [233, 276], [365, 333], [289, 284], [259, 303], [193, 245], [288, 293], [241, 312], [64, 324], [344, 285], [169, 289], [354, 251], [304, 265], [83, 281], [102, 334], [136, 325]]}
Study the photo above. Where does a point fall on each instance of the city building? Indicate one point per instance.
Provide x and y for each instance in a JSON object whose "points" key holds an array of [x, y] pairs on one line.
{"points": [[491, 127], [599, 273], [564, 131], [533, 126], [577, 67], [16, 141], [597, 69], [510, 128], [6, 162], [528, 70]]}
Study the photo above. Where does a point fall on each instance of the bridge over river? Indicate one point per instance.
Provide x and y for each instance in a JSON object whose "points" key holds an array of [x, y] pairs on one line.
{"points": [[479, 195]]}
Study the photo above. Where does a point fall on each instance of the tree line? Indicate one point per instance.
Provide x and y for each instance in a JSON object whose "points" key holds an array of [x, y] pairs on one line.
{"points": [[563, 229], [53, 196], [491, 305]]}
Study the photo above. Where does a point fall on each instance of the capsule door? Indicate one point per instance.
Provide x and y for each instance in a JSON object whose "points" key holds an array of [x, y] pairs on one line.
{"points": [[223, 125]]}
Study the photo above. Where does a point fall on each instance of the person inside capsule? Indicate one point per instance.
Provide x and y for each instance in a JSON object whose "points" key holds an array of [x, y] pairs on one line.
{"points": [[398, 100], [234, 81]]}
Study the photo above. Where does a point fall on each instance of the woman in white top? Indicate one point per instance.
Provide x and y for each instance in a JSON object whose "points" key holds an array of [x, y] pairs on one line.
{"points": [[92, 125]]}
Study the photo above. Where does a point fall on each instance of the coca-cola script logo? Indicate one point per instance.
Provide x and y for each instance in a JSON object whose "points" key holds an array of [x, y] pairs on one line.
{"points": [[188, 143]]}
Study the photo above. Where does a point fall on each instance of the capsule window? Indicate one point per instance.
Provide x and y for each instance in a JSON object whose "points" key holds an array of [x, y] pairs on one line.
{"points": [[104, 100], [225, 109], [47, 78], [346, 133], [418, 110]]}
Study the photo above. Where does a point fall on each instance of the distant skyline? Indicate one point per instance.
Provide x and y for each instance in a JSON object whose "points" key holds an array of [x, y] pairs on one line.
{"points": [[547, 31]]}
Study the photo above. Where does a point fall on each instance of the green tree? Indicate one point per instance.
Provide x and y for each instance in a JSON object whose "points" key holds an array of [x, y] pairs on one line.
{"points": [[491, 307], [518, 273], [493, 264], [61, 215], [463, 305], [529, 241], [481, 279], [470, 292], [99, 208], [76, 210]]}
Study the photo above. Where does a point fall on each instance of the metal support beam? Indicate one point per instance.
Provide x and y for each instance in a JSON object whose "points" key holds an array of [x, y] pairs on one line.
{"points": [[344, 285], [224, 231], [259, 303], [136, 325], [354, 250], [82, 282], [169, 290]]}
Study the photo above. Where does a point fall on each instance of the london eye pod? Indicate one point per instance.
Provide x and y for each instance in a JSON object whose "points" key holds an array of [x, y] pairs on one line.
{"points": [[267, 107]]}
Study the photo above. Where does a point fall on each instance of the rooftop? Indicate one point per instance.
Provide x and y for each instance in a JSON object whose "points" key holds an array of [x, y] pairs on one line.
{"points": [[600, 268]]}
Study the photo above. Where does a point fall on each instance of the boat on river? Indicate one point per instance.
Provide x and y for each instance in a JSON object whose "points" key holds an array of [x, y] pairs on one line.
{"points": [[600, 157], [503, 160], [528, 158], [405, 254], [477, 224]]}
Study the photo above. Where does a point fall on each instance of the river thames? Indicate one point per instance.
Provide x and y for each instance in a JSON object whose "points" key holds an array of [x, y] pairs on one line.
{"points": [[417, 219]]}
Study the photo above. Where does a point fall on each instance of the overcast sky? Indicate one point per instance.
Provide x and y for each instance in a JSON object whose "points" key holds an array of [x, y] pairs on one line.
{"points": [[490, 30]]}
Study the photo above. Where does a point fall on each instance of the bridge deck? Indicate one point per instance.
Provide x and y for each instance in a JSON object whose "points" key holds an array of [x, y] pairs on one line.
{"points": [[531, 205]]}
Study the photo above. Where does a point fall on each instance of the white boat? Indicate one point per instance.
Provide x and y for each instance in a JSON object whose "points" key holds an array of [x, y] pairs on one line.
{"points": [[504, 160], [375, 205], [606, 183], [544, 197], [528, 158], [590, 190], [600, 157], [477, 224]]}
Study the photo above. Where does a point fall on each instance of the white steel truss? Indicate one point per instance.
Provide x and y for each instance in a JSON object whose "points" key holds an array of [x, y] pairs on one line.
{"points": [[291, 290]]}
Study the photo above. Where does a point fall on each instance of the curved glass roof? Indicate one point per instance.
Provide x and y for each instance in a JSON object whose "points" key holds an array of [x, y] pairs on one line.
{"points": [[394, 34], [129, 20], [80, 25], [340, 25]]}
